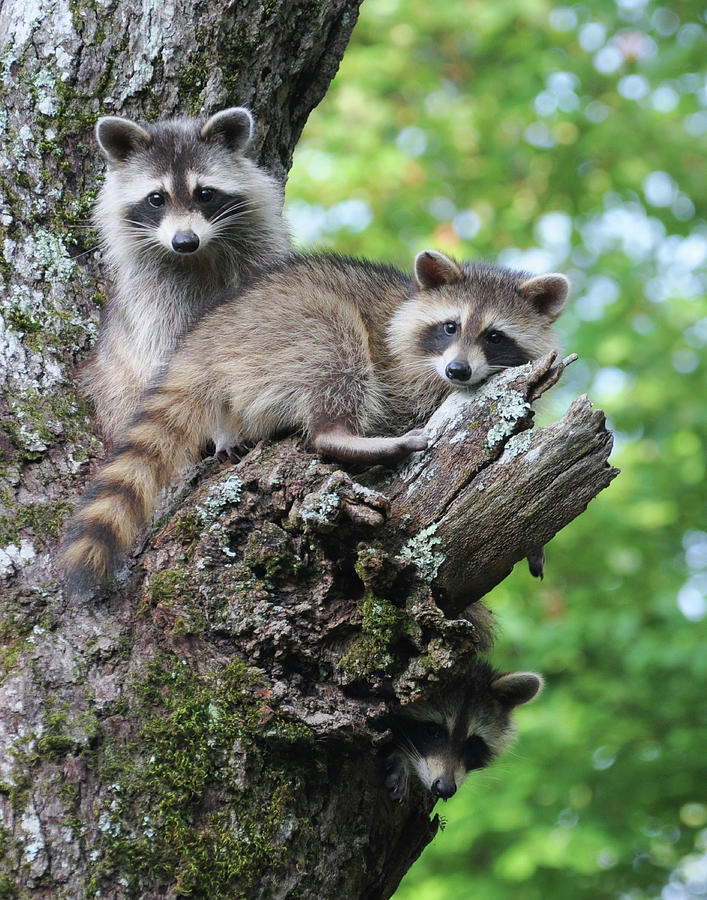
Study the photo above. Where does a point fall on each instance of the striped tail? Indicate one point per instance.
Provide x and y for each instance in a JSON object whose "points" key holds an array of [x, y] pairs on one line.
{"points": [[162, 438]]}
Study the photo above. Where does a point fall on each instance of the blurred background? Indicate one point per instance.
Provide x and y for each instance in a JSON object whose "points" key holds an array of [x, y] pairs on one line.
{"points": [[566, 138]]}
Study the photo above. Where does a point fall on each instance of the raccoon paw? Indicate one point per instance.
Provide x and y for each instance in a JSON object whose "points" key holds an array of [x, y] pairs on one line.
{"points": [[415, 439], [396, 780]]}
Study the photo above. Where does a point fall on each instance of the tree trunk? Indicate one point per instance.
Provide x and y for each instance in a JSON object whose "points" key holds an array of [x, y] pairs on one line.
{"points": [[215, 726]]}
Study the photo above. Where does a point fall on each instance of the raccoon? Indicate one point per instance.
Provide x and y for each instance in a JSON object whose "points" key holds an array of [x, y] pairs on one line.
{"points": [[182, 215], [456, 731], [340, 350]]}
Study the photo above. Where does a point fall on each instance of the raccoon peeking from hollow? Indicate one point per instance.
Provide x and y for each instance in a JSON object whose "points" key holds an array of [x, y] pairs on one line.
{"points": [[182, 215], [353, 355], [461, 728]]}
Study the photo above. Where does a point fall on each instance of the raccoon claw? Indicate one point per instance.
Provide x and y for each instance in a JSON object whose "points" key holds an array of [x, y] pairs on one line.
{"points": [[395, 781], [536, 562], [395, 788], [416, 439], [229, 455]]}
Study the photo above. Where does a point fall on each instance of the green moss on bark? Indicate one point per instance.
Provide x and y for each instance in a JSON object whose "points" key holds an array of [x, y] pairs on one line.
{"points": [[176, 814], [383, 625], [42, 519]]}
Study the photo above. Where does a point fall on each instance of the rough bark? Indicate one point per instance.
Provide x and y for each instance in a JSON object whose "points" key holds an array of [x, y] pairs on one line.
{"points": [[489, 491], [63, 64], [215, 725]]}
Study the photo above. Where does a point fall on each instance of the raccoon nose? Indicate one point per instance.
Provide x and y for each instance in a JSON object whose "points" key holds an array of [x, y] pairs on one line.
{"points": [[185, 242], [458, 370], [443, 788]]}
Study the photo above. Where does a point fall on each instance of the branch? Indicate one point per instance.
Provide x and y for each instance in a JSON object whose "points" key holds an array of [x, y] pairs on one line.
{"points": [[491, 490]]}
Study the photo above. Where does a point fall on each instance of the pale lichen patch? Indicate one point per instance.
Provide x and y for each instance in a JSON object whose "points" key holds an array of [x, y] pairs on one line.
{"points": [[34, 845], [449, 415], [14, 557], [227, 493], [517, 444], [420, 550], [20, 21], [51, 256], [496, 386], [511, 407], [45, 90], [319, 509]]}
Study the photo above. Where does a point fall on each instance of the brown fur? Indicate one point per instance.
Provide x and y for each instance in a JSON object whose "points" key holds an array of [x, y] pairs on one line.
{"points": [[336, 349]]}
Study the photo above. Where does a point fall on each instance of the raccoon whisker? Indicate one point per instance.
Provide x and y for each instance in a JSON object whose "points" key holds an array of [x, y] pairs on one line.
{"points": [[86, 252], [145, 244], [228, 212], [137, 227], [408, 747], [229, 242], [135, 236], [151, 253], [237, 205], [230, 229]]}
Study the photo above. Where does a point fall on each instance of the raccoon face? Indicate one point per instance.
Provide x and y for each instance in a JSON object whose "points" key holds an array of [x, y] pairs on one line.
{"points": [[463, 729], [183, 214], [465, 356], [177, 185], [467, 322], [442, 760]]}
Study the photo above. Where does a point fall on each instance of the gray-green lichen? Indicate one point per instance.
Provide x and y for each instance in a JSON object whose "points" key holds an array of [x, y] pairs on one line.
{"points": [[512, 407], [227, 493], [516, 444], [14, 557], [420, 550], [319, 511]]}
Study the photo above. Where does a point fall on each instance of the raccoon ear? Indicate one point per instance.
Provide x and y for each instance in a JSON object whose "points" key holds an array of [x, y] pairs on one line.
{"points": [[517, 687], [547, 293], [119, 138], [433, 269], [233, 126]]}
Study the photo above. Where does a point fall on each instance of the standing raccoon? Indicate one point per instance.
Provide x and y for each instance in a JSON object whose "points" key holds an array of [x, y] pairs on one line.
{"points": [[461, 728], [340, 350], [182, 215]]}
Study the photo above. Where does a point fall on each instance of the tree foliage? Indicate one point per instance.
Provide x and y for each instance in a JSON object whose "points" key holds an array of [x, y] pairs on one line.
{"points": [[570, 138]]}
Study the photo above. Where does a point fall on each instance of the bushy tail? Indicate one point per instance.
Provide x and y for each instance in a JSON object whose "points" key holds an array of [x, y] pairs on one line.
{"points": [[164, 437]]}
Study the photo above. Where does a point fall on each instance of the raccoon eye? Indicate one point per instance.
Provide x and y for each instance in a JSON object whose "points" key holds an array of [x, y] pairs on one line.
{"points": [[450, 327], [494, 337], [476, 753], [433, 731], [156, 199], [206, 195]]}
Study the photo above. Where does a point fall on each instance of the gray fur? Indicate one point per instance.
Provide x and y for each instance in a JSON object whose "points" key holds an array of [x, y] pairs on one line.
{"points": [[157, 292], [463, 727]]}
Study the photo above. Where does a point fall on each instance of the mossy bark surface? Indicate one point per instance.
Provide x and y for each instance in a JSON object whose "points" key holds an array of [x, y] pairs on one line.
{"points": [[215, 724]]}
